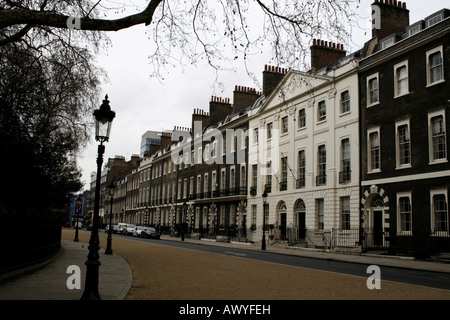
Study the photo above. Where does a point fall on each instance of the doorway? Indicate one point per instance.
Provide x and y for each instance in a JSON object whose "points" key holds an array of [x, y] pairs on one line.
{"points": [[301, 218], [378, 228]]}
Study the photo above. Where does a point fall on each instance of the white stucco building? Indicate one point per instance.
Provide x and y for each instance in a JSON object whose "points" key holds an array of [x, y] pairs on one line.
{"points": [[304, 151]]}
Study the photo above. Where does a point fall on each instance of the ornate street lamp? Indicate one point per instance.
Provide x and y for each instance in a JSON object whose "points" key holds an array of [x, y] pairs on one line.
{"points": [[103, 120], [111, 188], [263, 244]]}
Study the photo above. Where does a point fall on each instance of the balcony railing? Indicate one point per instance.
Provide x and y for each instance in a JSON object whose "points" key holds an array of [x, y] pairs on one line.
{"points": [[300, 183], [345, 176], [321, 180]]}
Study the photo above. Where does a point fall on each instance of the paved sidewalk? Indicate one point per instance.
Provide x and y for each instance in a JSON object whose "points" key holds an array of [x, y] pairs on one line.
{"points": [[49, 282]]}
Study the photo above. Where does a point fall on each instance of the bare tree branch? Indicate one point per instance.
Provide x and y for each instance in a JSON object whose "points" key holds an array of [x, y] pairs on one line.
{"points": [[12, 17]]}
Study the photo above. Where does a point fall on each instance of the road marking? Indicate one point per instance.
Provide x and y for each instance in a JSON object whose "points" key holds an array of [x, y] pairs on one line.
{"points": [[237, 254]]}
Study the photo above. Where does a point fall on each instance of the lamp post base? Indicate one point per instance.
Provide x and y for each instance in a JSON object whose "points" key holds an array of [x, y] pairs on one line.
{"points": [[109, 245]]}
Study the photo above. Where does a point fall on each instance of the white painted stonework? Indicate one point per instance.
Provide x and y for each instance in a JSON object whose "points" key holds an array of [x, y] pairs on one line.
{"points": [[298, 91]]}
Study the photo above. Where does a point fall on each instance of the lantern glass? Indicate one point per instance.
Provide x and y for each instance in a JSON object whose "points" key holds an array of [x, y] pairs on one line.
{"points": [[103, 121], [102, 130]]}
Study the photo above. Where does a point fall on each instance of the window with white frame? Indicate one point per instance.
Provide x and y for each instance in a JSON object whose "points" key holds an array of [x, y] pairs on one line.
{"points": [[197, 217], [403, 144], [301, 178], [322, 111], [206, 155], [439, 213], [214, 181], [254, 212], [269, 130], [185, 189], [254, 175], [302, 118], [206, 184], [345, 173], [232, 178], [284, 125], [321, 178], [243, 176], [404, 213], [199, 156], [372, 90], [401, 82], [255, 135], [374, 151], [214, 148], [199, 184], [223, 179], [437, 137], [434, 20], [345, 101], [320, 213], [191, 186], [435, 66], [345, 213]]}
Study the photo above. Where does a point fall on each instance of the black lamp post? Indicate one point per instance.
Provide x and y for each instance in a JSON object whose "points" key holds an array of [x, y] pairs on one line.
{"points": [[183, 221], [111, 188], [263, 244], [77, 203], [103, 120]]}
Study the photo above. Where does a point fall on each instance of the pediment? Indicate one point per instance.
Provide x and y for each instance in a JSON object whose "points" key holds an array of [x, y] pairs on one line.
{"points": [[295, 84]]}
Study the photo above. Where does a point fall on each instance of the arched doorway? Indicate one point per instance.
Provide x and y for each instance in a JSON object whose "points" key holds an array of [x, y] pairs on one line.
{"points": [[375, 218], [300, 214], [281, 214]]}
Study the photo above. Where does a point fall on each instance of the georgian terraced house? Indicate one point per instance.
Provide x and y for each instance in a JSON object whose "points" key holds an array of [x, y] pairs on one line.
{"points": [[353, 153], [404, 107], [304, 152]]}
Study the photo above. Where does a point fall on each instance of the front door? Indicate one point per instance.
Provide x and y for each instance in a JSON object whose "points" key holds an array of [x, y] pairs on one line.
{"points": [[283, 225], [378, 228], [301, 225]]}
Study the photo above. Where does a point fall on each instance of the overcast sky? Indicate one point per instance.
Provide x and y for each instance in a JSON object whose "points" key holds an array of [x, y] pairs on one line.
{"points": [[143, 103]]}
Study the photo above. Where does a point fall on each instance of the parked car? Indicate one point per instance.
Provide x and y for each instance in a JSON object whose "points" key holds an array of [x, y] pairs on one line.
{"points": [[128, 229], [115, 227], [150, 232], [120, 227], [137, 231]]}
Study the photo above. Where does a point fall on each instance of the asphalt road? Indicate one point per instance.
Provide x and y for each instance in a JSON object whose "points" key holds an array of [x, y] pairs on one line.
{"points": [[167, 270], [416, 277]]}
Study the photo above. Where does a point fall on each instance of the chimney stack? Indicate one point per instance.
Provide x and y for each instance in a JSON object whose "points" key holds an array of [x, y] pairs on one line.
{"points": [[244, 97], [201, 116], [166, 139], [389, 17], [323, 53], [219, 108], [272, 76]]}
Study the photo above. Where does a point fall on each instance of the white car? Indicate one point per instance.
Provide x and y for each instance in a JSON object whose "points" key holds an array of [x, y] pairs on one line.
{"points": [[128, 229], [137, 231], [120, 227]]}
